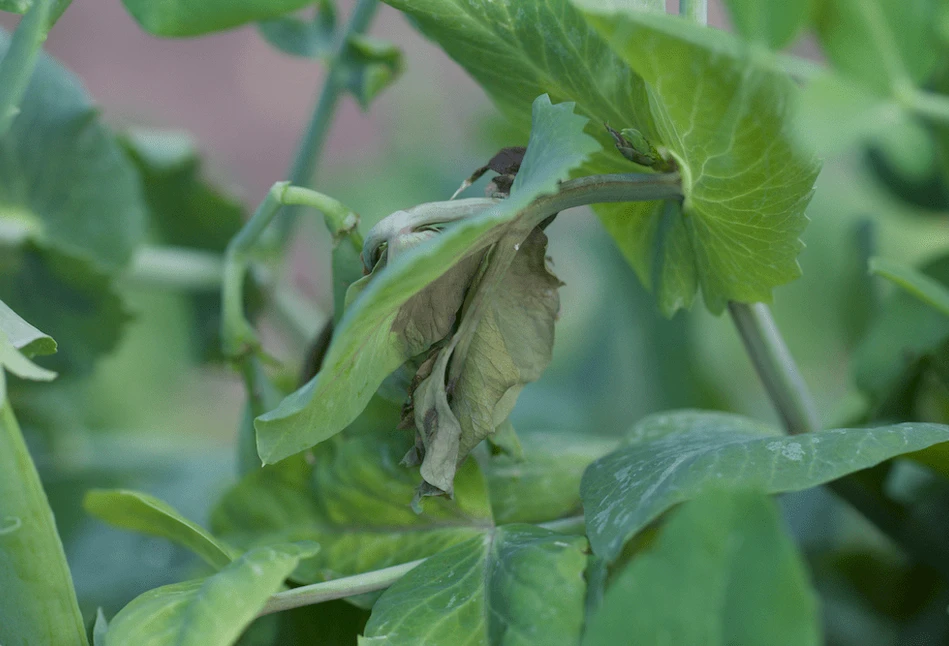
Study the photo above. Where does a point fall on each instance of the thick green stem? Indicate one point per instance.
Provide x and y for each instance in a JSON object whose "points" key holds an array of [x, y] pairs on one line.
{"points": [[17, 65], [180, 268], [310, 148], [696, 10], [775, 366]]}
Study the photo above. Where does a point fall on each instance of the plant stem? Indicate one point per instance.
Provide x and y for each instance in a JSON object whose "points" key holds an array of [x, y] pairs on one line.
{"points": [[775, 366], [696, 10], [929, 105], [17, 65], [310, 149], [177, 268]]}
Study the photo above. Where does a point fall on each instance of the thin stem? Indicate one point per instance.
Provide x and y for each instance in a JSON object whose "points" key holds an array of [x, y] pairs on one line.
{"points": [[695, 10], [17, 65], [177, 268], [310, 149], [775, 366]]}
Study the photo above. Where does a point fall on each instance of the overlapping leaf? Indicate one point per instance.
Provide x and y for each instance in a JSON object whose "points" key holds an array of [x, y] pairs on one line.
{"points": [[723, 571], [213, 611], [916, 283], [670, 458], [18, 342], [488, 591], [371, 341], [726, 119]]}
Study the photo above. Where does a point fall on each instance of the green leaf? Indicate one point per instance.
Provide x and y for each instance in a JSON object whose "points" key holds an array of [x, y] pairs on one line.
{"points": [[23, 336], [178, 18], [671, 457], [887, 45], [724, 114], [100, 629], [67, 296], [772, 24], [488, 590], [64, 181], [544, 484], [304, 38], [369, 67], [904, 332], [914, 282], [353, 500], [139, 512], [213, 611], [38, 604], [723, 571], [372, 339]]}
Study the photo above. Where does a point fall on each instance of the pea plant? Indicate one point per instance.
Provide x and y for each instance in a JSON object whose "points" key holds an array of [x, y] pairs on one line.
{"points": [[382, 494]]}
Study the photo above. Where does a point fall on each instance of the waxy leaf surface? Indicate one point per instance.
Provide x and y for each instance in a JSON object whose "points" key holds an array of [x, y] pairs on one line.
{"points": [[370, 343], [723, 571], [517, 585], [672, 457]]}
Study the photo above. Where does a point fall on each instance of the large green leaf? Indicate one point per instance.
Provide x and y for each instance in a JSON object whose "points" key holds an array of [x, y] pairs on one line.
{"points": [[544, 484], [213, 611], [372, 339], [772, 24], [38, 604], [186, 18], [671, 457], [723, 571], [354, 501], [64, 180], [517, 585], [725, 117], [139, 512]]}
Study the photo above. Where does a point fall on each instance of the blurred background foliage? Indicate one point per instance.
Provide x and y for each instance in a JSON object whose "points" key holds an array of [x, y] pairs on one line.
{"points": [[139, 418]]}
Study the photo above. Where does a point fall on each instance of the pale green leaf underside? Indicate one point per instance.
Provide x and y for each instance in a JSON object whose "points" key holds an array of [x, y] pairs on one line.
{"points": [[213, 611], [723, 571], [23, 336], [726, 118], [926, 289], [187, 18], [353, 501], [366, 348], [670, 458], [519, 585], [37, 602], [139, 512]]}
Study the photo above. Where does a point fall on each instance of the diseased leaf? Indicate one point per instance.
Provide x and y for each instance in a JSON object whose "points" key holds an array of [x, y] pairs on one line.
{"points": [[671, 457], [64, 181], [544, 484], [725, 117], [178, 18], [904, 332], [139, 512], [213, 611], [354, 501], [371, 341], [916, 283], [723, 571], [487, 591], [67, 296], [38, 604], [772, 24]]}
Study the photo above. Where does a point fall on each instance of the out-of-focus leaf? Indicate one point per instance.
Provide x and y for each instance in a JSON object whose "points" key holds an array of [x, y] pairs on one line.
{"points": [[38, 604], [914, 282], [544, 485], [723, 571], [178, 18], [487, 590], [745, 182], [772, 24], [371, 340], [905, 330], [22, 6], [207, 612], [353, 500], [67, 296], [64, 180], [139, 512], [99, 629], [305, 38], [370, 66], [671, 457]]}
